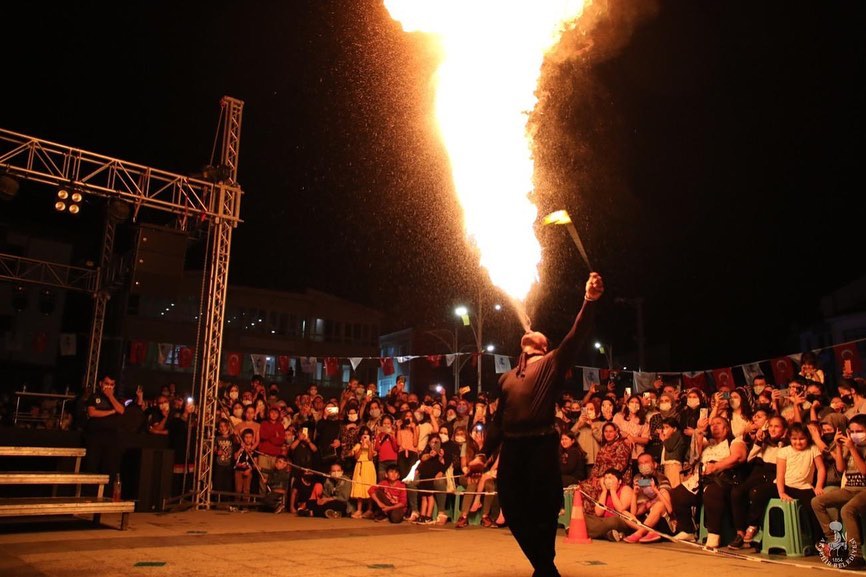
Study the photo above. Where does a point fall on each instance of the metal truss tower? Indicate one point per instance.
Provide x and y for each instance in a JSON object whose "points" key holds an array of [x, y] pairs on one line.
{"points": [[215, 202]]}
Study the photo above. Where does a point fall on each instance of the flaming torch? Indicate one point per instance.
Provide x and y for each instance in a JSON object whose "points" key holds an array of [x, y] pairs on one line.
{"points": [[491, 57]]}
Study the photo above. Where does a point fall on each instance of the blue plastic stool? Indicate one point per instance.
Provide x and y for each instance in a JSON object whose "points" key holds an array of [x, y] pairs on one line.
{"points": [[796, 533], [474, 518]]}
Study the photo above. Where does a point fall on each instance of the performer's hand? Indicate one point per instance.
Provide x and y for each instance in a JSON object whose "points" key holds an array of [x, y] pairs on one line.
{"points": [[594, 287]]}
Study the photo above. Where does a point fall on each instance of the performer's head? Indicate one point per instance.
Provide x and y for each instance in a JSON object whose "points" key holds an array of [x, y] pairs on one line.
{"points": [[533, 343]]}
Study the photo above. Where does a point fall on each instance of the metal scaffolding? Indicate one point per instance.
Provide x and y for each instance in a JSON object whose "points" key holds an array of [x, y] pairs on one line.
{"points": [[216, 203]]}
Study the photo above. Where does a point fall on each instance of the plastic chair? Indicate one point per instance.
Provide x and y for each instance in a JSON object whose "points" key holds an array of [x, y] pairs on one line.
{"points": [[474, 518], [725, 537], [792, 519]]}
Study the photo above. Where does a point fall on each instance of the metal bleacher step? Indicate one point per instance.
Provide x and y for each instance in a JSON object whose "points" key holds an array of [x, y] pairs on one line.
{"points": [[51, 478], [30, 506]]}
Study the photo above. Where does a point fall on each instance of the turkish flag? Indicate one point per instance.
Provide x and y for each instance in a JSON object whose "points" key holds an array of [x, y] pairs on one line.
{"points": [[283, 364], [435, 360], [137, 352], [184, 357], [332, 366], [783, 371], [848, 358], [387, 364], [233, 364], [723, 378], [696, 380]]}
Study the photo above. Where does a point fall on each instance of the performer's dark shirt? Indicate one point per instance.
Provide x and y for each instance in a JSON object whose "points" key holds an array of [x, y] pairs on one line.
{"points": [[529, 392]]}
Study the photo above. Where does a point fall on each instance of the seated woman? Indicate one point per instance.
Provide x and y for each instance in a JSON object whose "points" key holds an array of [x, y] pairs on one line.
{"points": [[587, 430], [617, 498], [718, 472], [652, 500], [571, 460], [674, 450], [614, 453], [749, 498], [633, 425]]}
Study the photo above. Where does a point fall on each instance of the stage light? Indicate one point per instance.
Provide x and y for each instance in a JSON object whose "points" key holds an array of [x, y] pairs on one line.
{"points": [[60, 206], [73, 209], [62, 194], [76, 197], [68, 199]]}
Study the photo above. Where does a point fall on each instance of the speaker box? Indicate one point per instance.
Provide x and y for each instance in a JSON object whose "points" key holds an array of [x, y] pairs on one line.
{"points": [[159, 257]]}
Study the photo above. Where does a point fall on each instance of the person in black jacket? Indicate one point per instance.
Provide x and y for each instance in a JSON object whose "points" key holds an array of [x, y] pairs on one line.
{"points": [[530, 487], [572, 460]]}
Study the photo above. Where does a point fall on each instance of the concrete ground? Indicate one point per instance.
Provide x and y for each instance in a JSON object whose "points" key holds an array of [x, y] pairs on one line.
{"points": [[253, 544]]}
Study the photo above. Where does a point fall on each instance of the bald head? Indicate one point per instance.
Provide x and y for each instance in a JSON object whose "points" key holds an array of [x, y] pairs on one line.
{"points": [[533, 343]]}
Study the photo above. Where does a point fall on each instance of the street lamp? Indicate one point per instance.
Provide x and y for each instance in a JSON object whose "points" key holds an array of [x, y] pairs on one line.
{"points": [[607, 351], [490, 348]]}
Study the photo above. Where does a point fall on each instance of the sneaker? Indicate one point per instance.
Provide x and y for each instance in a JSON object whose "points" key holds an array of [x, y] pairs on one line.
{"points": [[651, 537], [613, 535], [633, 538], [305, 513], [750, 535], [737, 543], [712, 541], [442, 519], [684, 536], [280, 508], [331, 514], [413, 517], [461, 522]]}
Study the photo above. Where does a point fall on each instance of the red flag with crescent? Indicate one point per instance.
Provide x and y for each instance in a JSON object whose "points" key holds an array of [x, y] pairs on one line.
{"points": [[184, 357], [233, 364], [723, 378], [283, 364], [848, 359], [783, 371]]}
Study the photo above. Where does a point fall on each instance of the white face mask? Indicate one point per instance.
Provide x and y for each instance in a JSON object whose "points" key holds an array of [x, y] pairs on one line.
{"points": [[353, 418], [758, 389], [459, 440], [590, 414], [858, 437], [444, 437], [694, 403], [233, 395], [336, 474], [645, 469], [664, 406], [418, 416]]}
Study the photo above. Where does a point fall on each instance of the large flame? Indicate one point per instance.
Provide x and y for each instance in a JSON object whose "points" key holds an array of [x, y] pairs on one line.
{"points": [[492, 54]]}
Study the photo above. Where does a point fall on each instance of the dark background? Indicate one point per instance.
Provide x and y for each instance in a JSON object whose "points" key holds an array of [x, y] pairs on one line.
{"points": [[708, 151]]}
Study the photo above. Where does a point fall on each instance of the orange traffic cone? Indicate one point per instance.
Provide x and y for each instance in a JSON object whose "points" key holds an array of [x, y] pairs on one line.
{"points": [[577, 523]]}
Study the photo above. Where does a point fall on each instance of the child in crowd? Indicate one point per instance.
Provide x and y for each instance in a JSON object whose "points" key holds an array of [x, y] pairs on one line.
{"points": [[244, 463], [225, 446], [278, 482], [330, 498], [389, 496], [652, 499], [795, 470], [674, 450], [365, 473]]}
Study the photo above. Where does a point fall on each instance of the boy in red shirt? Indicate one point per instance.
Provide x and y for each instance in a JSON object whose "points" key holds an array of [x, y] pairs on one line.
{"points": [[389, 496]]}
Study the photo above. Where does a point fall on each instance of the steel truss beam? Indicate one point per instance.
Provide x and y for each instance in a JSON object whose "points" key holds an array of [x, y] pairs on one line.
{"points": [[31, 271], [55, 164]]}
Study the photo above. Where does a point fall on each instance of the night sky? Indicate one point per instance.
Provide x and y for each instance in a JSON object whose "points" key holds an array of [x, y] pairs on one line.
{"points": [[709, 152]]}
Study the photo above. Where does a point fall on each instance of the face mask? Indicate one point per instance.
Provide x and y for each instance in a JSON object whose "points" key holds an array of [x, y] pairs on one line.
{"points": [[858, 437], [444, 437], [290, 439], [461, 409], [450, 417], [838, 407], [375, 413], [735, 403], [233, 395], [459, 440], [239, 413], [590, 414], [828, 438], [413, 405], [247, 402], [418, 416], [665, 406], [694, 403], [806, 405], [645, 470], [353, 418], [758, 389], [847, 399], [336, 474], [633, 408], [437, 412]]}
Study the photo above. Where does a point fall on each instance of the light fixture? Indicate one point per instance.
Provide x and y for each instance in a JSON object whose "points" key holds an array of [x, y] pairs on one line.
{"points": [[497, 307], [490, 348], [73, 209], [597, 345], [59, 206], [461, 311], [68, 200]]}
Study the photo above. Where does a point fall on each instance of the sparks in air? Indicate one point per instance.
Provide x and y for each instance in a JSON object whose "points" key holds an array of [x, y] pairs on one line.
{"points": [[491, 57]]}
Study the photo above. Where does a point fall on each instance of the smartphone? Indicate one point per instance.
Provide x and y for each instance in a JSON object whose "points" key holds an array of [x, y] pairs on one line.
{"points": [[189, 400], [628, 391], [646, 395], [784, 392], [645, 482], [703, 413], [304, 431], [369, 394]]}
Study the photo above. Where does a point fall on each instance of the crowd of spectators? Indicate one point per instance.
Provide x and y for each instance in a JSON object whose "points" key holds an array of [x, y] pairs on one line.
{"points": [[647, 463]]}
